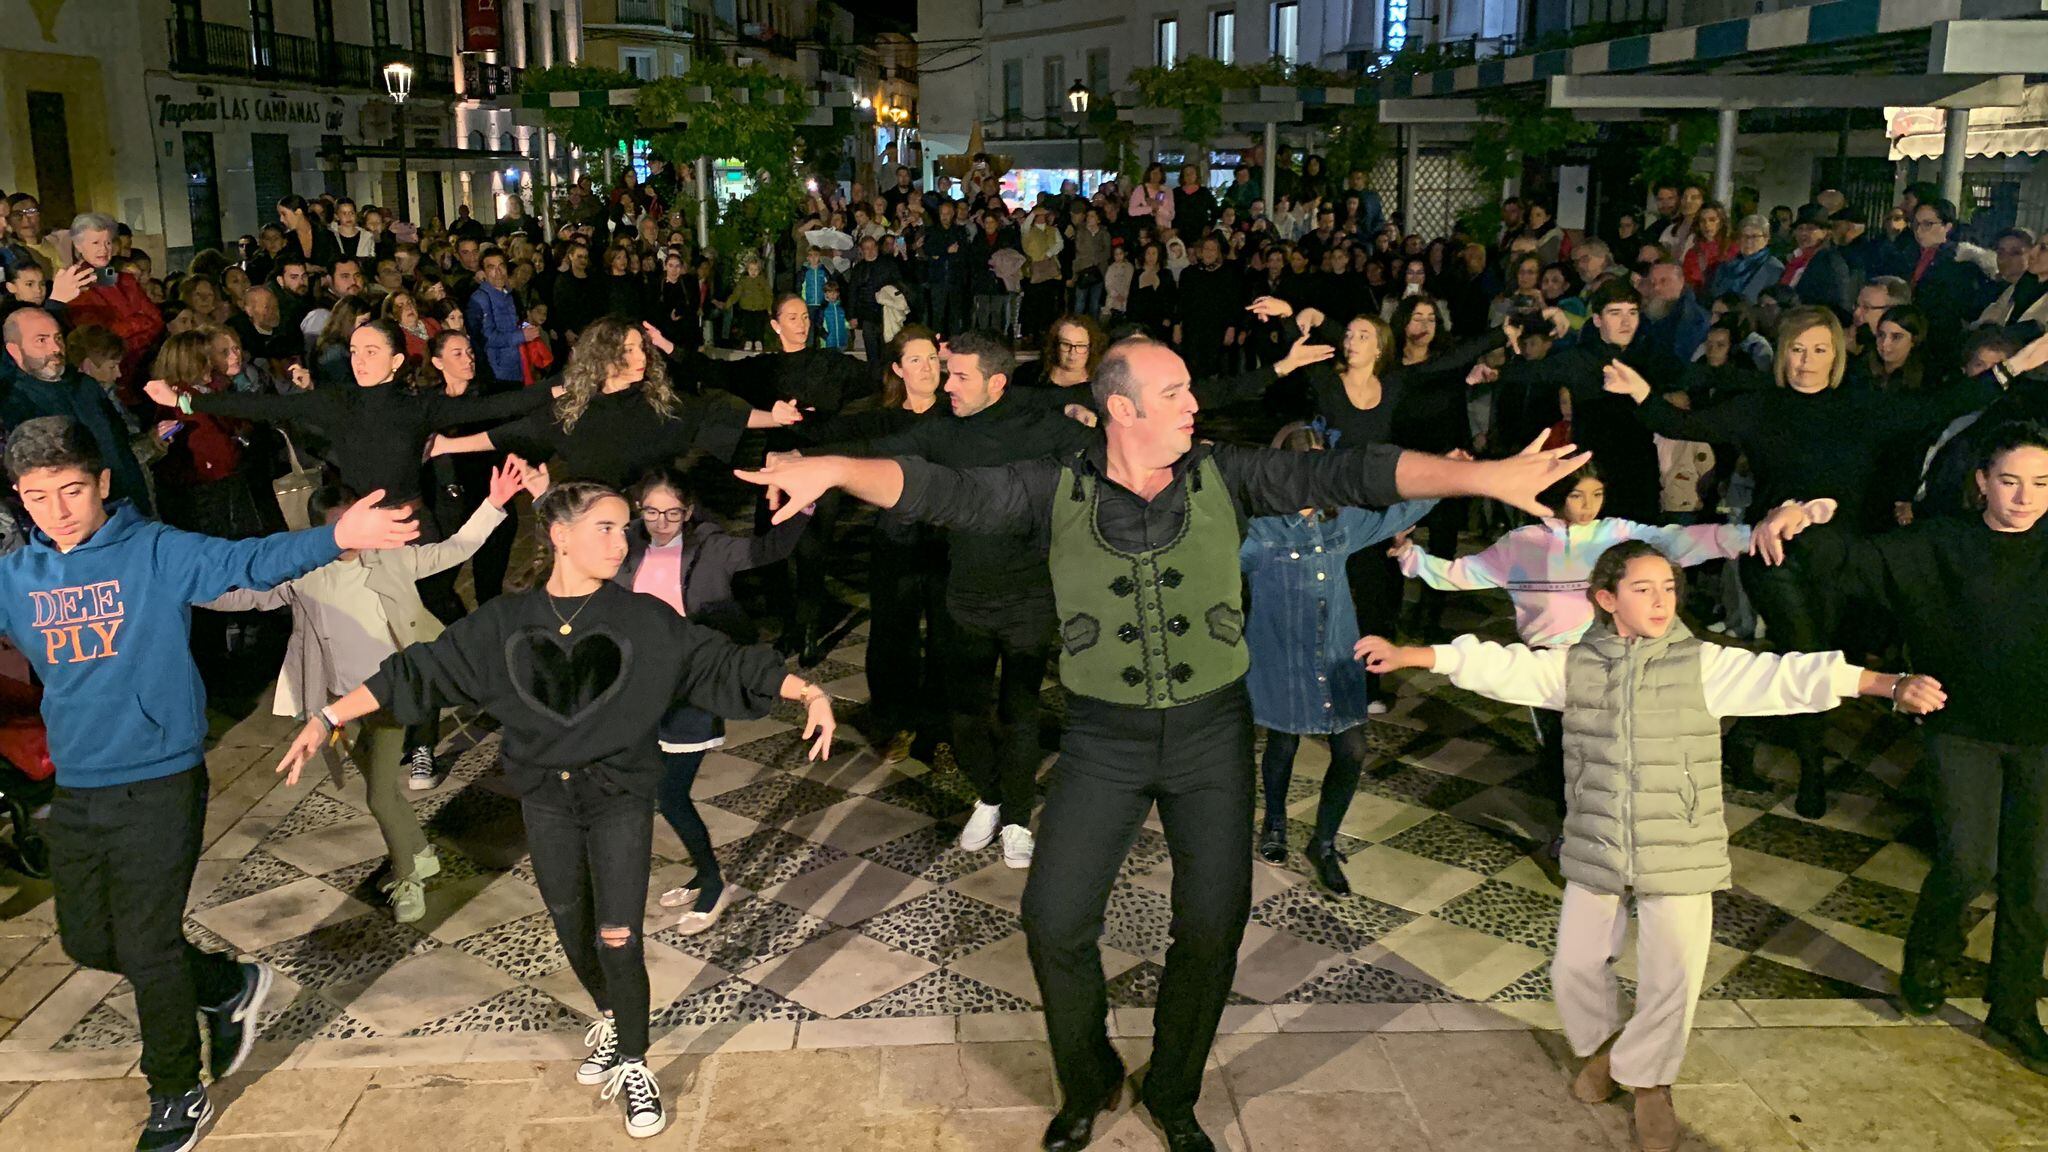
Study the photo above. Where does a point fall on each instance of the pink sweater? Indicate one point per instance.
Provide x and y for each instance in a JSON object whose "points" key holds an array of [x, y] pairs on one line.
{"points": [[1546, 567]]}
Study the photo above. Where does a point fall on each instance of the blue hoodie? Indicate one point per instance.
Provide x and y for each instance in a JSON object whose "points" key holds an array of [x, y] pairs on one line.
{"points": [[108, 625]]}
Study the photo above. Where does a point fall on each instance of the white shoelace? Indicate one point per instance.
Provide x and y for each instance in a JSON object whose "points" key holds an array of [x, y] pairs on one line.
{"points": [[641, 1090], [602, 1038]]}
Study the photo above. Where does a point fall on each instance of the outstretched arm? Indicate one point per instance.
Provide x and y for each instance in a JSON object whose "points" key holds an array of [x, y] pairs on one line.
{"points": [[1743, 683], [1009, 499], [1481, 570], [1510, 673]]}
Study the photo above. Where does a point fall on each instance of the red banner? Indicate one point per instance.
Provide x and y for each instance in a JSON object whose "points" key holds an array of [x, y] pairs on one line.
{"points": [[480, 26]]}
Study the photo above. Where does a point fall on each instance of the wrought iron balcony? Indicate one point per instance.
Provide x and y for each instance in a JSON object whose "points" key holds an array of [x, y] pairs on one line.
{"points": [[210, 49]]}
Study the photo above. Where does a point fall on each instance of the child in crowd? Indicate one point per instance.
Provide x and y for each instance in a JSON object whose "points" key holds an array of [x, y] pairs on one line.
{"points": [[1302, 679], [1545, 566], [347, 617], [811, 280], [750, 300], [1643, 701], [831, 319]]}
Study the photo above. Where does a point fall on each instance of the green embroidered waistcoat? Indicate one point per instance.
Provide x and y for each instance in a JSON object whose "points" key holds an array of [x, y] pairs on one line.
{"points": [[1149, 629]]}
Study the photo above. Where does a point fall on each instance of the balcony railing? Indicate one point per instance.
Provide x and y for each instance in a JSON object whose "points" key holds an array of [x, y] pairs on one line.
{"points": [[209, 49]]}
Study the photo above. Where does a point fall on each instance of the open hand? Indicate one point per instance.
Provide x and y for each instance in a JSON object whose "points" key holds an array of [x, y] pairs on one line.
{"points": [[662, 344], [1520, 480], [1623, 380], [1270, 308], [1303, 354], [793, 484], [818, 720], [507, 480], [70, 283], [536, 480], [304, 746], [367, 527]]}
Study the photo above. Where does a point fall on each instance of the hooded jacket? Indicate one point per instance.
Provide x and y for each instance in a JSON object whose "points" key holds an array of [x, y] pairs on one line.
{"points": [[106, 626]]}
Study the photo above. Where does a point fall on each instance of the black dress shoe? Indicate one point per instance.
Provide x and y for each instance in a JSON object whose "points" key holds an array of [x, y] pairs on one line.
{"points": [[1183, 1132], [812, 655], [1812, 801], [1329, 867], [1073, 1128], [1273, 844], [1922, 989], [2022, 1036]]}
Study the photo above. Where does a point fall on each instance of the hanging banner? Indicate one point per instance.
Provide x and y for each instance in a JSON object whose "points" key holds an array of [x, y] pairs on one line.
{"points": [[480, 25]]}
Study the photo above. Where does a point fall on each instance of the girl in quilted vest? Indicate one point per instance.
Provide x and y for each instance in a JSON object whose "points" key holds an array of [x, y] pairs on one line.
{"points": [[1643, 701]]}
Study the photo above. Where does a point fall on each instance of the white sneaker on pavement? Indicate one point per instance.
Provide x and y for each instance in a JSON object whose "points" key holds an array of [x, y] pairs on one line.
{"points": [[603, 1038], [635, 1081], [981, 827], [1017, 845]]}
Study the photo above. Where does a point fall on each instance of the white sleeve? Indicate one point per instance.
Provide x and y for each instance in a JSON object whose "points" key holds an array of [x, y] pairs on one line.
{"points": [[1743, 683], [1510, 673]]}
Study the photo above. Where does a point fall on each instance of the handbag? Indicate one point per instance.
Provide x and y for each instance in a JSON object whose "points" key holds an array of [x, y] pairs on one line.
{"points": [[295, 488]]}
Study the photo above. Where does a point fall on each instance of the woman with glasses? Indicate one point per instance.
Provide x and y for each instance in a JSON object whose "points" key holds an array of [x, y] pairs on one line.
{"points": [[1752, 268], [1073, 347]]}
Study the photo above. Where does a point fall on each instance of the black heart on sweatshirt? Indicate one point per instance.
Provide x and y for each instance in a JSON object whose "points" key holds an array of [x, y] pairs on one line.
{"points": [[566, 679]]}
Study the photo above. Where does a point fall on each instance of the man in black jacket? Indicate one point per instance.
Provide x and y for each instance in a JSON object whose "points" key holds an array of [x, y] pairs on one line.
{"points": [[868, 276], [1211, 311], [1814, 269]]}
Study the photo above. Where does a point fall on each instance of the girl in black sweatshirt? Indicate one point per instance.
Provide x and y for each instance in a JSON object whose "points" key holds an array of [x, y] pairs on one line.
{"points": [[578, 673]]}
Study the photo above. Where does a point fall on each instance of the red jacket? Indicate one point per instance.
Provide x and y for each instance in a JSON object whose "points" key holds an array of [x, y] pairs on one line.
{"points": [[123, 309], [206, 449]]}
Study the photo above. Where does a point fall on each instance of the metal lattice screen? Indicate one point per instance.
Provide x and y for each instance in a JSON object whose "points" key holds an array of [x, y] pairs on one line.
{"points": [[1444, 190]]}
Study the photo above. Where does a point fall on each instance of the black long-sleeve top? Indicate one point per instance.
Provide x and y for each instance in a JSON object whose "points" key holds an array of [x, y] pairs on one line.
{"points": [[1808, 445], [822, 381], [1422, 406], [588, 703], [375, 436], [1018, 498], [619, 435], [1612, 427], [1969, 601]]}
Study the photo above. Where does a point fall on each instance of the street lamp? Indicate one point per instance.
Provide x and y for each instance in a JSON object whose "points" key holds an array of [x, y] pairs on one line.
{"points": [[398, 83], [1077, 103]]}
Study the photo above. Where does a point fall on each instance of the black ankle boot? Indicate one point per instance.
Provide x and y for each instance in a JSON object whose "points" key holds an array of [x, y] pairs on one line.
{"points": [[1183, 1132], [1273, 843], [1074, 1126], [1322, 856], [1922, 988], [1812, 802], [812, 654]]}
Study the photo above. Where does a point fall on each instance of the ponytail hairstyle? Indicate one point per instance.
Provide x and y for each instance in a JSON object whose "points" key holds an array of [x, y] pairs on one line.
{"points": [[565, 503]]}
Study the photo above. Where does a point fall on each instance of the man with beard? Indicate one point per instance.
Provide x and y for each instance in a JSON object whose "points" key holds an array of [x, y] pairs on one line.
{"points": [[1673, 323], [1211, 311], [35, 380]]}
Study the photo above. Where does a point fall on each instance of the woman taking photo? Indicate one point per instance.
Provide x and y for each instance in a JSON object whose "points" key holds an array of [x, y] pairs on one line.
{"points": [[578, 673], [1810, 438]]}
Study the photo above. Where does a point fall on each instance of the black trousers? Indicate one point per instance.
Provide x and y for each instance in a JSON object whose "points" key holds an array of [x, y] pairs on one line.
{"points": [[906, 595], [1195, 762], [1990, 807], [1348, 753], [796, 587], [1376, 590], [1801, 614], [1438, 535], [993, 679], [121, 858], [590, 850]]}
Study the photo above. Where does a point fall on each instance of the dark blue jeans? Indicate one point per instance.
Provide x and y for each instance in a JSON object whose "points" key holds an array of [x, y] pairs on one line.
{"points": [[590, 850]]}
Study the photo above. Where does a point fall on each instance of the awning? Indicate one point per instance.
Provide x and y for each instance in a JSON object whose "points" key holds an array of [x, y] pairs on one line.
{"points": [[2009, 141], [2018, 130]]}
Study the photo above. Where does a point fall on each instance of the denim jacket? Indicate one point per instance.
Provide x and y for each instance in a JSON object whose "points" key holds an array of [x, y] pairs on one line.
{"points": [[1303, 624]]}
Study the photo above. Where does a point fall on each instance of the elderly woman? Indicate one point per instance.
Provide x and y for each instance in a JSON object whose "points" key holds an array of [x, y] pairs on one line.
{"points": [[115, 300], [1752, 269], [1810, 438]]}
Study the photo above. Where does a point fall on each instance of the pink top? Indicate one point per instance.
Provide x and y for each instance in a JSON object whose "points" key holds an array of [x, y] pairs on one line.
{"points": [[1159, 207], [661, 573]]}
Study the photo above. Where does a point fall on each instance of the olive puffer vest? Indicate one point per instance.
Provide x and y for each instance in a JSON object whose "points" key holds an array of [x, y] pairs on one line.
{"points": [[1642, 768]]}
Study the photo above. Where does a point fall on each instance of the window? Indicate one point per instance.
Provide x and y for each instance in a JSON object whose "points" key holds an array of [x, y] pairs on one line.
{"points": [[262, 35], [323, 33], [1396, 25], [1098, 72], [417, 20], [1166, 43], [639, 63], [679, 63], [1013, 89], [1223, 37], [380, 23], [1055, 85], [1284, 38], [558, 37]]}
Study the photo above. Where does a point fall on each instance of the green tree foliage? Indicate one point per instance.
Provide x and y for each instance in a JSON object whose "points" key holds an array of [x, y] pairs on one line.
{"points": [[593, 130]]}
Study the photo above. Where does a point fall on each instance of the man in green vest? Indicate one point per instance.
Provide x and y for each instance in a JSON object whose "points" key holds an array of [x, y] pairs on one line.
{"points": [[1142, 531]]}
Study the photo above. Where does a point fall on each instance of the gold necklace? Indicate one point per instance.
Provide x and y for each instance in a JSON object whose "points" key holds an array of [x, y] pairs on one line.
{"points": [[565, 629]]}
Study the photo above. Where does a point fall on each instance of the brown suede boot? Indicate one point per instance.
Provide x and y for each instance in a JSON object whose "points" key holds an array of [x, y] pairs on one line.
{"points": [[1594, 1084], [1656, 1120]]}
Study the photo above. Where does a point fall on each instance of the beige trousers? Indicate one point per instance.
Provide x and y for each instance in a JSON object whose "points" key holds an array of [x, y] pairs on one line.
{"points": [[1672, 936]]}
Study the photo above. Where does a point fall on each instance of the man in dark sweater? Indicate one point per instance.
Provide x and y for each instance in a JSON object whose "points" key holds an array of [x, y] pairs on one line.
{"points": [[100, 603], [36, 380], [1968, 596], [1211, 310], [1143, 535]]}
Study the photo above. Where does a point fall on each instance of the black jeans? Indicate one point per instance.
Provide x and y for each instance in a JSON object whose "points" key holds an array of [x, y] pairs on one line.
{"points": [[1195, 762], [1348, 752], [905, 590], [795, 588], [590, 850], [992, 684], [678, 776], [122, 858], [1990, 819], [1801, 614], [1376, 590]]}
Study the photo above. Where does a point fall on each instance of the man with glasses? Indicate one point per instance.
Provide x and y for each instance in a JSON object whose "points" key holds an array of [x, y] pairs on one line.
{"points": [[25, 243], [1950, 288], [2024, 299]]}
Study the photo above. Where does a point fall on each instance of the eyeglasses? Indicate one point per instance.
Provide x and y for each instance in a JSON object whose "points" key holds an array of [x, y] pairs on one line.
{"points": [[1068, 346], [663, 515], [1928, 222]]}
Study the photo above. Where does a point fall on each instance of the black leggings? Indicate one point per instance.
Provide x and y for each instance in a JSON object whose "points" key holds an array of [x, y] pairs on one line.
{"points": [[1348, 751], [590, 850], [679, 775], [1376, 590]]}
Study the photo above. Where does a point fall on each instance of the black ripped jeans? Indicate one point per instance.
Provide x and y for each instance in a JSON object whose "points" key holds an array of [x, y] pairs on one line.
{"points": [[590, 849]]}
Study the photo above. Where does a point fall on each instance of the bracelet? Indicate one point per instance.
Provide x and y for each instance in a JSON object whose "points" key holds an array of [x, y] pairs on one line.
{"points": [[1896, 685], [327, 718], [809, 692], [185, 403]]}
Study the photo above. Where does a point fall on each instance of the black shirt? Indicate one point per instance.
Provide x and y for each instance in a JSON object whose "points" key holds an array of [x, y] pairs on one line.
{"points": [[588, 704], [375, 436], [619, 436], [1612, 427]]}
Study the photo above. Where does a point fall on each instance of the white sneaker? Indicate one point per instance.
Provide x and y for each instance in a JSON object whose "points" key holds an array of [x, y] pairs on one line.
{"points": [[1376, 708], [1017, 845], [603, 1039], [981, 827], [644, 1114]]}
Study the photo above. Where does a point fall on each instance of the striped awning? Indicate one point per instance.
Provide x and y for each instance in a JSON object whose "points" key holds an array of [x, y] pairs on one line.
{"points": [[1709, 46]]}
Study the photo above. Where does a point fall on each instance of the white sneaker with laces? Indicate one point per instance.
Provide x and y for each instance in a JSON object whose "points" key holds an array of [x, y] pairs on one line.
{"points": [[603, 1038], [1017, 845], [981, 827], [644, 1114]]}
